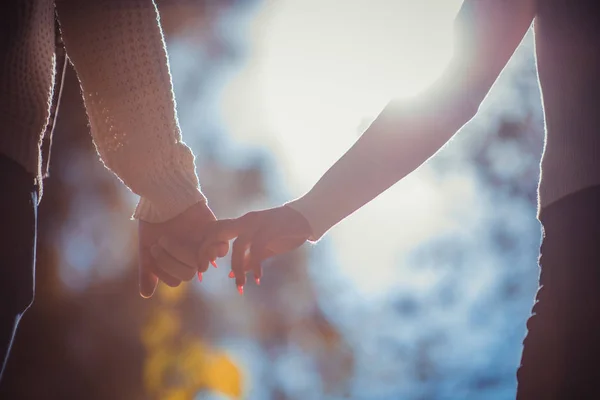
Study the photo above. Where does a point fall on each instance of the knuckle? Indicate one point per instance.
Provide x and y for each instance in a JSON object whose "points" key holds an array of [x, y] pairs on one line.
{"points": [[189, 275], [257, 246], [249, 215], [172, 283], [241, 241], [203, 266]]}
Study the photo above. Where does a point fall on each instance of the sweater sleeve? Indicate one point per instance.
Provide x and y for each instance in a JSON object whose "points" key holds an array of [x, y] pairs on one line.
{"points": [[407, 133], [118, 51]]}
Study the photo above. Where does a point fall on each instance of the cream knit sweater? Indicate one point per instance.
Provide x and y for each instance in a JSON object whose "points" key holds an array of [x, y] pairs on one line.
{"points": [[118, 51]]}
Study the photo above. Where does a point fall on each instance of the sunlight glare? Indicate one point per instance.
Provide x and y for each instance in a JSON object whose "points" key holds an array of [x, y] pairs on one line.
{"points": [[327, 69], [320, 72]]}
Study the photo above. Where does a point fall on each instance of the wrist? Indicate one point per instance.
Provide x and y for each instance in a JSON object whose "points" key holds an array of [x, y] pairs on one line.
{"points": [[174, 193], [313, 212]]}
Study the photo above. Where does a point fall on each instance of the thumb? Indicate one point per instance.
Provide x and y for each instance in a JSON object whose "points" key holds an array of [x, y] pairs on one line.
{"points": [[147, 280]]}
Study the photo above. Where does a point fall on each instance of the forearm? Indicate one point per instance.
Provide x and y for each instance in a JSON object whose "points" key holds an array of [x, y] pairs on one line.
{"points": [[408, 133], [403, 137], [119, 54]]}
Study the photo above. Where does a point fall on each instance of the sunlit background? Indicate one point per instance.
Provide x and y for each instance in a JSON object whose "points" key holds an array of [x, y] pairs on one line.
{"points": [[422, 294]]}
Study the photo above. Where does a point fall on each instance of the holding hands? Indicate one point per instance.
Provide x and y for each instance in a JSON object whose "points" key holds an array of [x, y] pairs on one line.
{"points": [[168, 251], [258, 236]]}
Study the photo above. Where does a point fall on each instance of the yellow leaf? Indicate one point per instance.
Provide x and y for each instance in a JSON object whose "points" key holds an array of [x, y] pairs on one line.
{"points": [[221, 374], [193, 362], [154, 369], [162, 326], [205, 368], [177, 394], [171, 295]]}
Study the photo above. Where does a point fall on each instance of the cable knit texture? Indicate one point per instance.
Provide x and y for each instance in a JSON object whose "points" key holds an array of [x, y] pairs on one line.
{"points": [[118, 51], [26, 78]]}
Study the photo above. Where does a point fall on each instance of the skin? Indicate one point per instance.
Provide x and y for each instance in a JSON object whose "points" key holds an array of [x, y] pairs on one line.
{"points": [[260, 235], [487, 34], [159, 241]]}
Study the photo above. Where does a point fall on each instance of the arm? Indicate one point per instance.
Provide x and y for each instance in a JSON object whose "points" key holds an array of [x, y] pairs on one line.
{"points": [[118, 51], [407, 133]]}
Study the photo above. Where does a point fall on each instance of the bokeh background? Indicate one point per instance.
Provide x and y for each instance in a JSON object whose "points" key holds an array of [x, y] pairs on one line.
{"points": [[422, 294]]}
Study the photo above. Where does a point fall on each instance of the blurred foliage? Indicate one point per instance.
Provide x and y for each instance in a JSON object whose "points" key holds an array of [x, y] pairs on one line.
{"points": [[178, 365], [90, 336]]}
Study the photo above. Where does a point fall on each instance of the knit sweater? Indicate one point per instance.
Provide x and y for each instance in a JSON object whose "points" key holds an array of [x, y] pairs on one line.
{"points": [[118, 51], [407, 134]]}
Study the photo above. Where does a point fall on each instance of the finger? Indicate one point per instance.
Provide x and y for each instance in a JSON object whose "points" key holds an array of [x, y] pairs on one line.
{"points": [[167, 279], [147, 280], [185, 254], [259, 248], [255, 266], [209, 251], [207, 257], [218, 250], [151, 268], [170, 265], [226, 229], [222, 249], [221, 231], [257, 274], [213, 252], [246, 263], [258, 254], [203, 264], [238, 256]]}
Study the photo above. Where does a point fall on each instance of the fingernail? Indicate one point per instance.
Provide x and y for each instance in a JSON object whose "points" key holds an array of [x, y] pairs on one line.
{"points": [[199, 276], [241, 290], [257, 280], [214, 264], [231, 274]]}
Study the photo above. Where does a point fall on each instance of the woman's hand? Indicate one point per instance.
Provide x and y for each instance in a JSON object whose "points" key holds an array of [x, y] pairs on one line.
{"points": [[260, 235]]}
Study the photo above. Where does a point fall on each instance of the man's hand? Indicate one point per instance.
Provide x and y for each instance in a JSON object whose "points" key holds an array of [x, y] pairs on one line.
{"points": [[168, 251], [260, 235]]}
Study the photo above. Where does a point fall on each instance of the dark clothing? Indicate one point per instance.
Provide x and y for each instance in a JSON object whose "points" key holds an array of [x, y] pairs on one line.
{"points": [[18, 215], [561, 356], [19, 195], [567, 41]]}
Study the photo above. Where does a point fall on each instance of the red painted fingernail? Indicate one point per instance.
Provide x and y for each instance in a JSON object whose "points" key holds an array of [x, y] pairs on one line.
{"points": [[257, 280], [199, 276], [231, 274], [214, 264], [240, 289]]}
